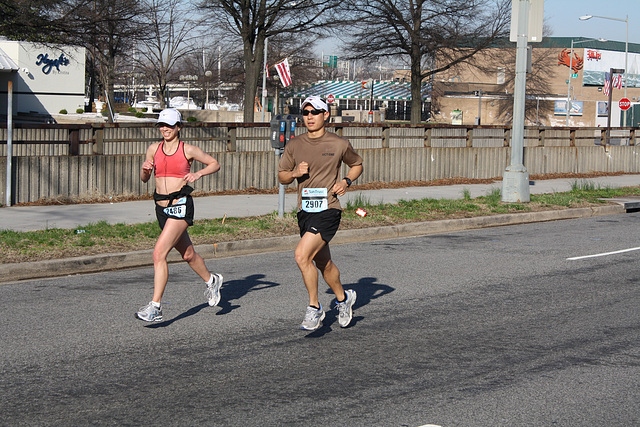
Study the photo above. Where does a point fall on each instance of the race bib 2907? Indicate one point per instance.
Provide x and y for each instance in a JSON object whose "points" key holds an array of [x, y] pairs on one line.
{"points": [[314, 200]]}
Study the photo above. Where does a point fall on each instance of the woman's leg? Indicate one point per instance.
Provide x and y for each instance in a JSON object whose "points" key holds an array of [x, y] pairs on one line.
{"points": [[171, 234], [189, 254]]}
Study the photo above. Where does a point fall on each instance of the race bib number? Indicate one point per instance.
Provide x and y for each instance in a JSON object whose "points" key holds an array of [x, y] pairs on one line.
{"points": [[177, 210], [314, 200]]}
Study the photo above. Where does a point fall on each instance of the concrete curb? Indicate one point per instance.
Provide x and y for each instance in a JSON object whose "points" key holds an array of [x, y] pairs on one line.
{"points": [[116, 261]]}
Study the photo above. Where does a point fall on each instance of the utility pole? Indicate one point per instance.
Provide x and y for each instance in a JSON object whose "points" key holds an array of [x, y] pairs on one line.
{"points": [[515, 181]]}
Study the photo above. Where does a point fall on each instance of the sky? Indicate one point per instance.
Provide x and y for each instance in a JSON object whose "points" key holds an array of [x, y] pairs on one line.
{"points": [[563, 18]]}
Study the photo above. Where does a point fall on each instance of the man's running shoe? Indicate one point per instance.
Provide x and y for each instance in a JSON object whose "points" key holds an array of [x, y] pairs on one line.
{"points": [[312, 319], [150, 313], [345, 311], [212, 293]]}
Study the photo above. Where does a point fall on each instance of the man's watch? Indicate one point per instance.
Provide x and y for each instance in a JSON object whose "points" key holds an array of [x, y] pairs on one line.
{"points": [[348, 181]]}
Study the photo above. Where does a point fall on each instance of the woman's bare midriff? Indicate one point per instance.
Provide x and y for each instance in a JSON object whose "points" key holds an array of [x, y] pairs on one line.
{"points": [[168, 185]]}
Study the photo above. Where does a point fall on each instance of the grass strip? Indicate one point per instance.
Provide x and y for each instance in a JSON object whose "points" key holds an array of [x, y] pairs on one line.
{"points": [[101, 237]]}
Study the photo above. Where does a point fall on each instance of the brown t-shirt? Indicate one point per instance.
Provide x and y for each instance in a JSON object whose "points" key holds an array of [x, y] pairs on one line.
{"points": [[324, 155]]}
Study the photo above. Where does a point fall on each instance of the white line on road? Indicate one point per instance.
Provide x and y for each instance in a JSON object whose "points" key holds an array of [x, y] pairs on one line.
{"points": [[603, 254]]}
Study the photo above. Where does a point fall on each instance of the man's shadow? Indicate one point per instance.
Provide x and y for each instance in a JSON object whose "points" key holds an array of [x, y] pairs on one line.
{"points": [[230, 291], [366, 290]]}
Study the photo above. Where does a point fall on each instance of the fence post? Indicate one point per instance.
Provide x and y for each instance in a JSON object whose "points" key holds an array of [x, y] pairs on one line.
{"points": [[603, 136], [386, 134], [98, 135], [232, 139], [507, 137], [542, 134], [74, 142], [469, 137], [572, 137], [632, 136], [427, 137]]}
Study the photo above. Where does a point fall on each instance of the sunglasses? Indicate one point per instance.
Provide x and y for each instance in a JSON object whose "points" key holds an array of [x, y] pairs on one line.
{"points": [[313, 112], [165, 125]]}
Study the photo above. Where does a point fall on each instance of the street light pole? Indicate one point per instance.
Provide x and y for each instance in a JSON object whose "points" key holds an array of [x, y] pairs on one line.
{"points": [[515, 180], [571, 73], [626, 52]]}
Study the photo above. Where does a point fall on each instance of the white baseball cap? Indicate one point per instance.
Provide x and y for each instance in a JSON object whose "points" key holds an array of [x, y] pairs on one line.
{"points": [[316, 102], [170, 116]]}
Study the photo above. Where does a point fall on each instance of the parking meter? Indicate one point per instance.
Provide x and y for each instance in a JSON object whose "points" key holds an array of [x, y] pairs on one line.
{"points": [[291, 128], [278, 132]]}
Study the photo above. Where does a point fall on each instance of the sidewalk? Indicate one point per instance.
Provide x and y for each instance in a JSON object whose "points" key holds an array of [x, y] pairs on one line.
{"points": [[75, 216], [30, 218]]}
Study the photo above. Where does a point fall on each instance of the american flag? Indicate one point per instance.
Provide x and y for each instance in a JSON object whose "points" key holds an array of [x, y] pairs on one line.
{"points": [[607, 84], [617, 81], [283, 72]]}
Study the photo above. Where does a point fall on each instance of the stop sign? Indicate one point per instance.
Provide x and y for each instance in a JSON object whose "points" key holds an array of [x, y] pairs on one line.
{"points": [[624, 104], [330, 99]]}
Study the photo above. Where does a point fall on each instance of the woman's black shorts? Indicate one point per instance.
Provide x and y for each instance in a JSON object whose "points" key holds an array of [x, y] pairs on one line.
{"points": [[326, 223], [181, 208]]}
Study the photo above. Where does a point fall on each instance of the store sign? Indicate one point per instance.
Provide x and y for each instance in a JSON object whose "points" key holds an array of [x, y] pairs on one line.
{"points": [[48, 63]]}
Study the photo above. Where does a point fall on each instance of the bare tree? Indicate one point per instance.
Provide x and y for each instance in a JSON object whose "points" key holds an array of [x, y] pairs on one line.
{"points": [[172, 36], [108, 29], [253, 21], [420, 31], [32, 20]]}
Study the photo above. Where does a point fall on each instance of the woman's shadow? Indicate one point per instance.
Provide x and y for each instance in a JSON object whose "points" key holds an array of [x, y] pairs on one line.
{"points": [[236, 289], [230, 291]]}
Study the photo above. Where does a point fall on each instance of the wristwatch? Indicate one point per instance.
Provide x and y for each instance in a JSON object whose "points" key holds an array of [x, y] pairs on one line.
{"points": [[348, 181]]}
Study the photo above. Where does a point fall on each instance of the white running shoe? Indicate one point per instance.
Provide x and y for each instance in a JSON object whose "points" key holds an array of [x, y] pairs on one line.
{"points": [[345, 311], [212, 293], [149, 313], [312, 319]]}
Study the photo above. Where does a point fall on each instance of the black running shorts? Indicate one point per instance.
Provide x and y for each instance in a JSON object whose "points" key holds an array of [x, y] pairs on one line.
{"points": [[182, 208], [326, 223]]}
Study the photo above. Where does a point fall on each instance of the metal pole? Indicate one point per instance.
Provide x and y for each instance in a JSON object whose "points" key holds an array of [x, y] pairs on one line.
{"points": [[264, 77], [515, 182], [626, 56], [612, 71], [479, 108], [569, 90], [9, 139], [281, 187]]}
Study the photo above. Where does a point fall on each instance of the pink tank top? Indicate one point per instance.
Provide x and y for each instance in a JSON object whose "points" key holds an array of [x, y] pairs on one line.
{"points": [[175, 165]]}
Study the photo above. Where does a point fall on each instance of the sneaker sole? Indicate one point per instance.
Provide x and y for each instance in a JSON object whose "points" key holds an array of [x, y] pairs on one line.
{"points": [[157, 319], [317, 327]]}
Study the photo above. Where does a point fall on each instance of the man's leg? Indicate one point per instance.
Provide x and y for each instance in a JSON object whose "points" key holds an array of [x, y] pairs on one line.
{"points": [[308, 247], [330, 272]]}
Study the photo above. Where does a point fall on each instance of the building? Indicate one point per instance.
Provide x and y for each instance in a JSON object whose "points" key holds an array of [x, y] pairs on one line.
{"points": [[351, 97], [481, 91], [48, 79]]}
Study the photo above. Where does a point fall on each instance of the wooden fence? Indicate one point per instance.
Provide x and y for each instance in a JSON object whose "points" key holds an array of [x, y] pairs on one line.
{"points": [[52, 161]]}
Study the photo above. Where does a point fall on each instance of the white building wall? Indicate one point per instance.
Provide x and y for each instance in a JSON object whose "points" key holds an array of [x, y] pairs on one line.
{"points": [[49, 79]]}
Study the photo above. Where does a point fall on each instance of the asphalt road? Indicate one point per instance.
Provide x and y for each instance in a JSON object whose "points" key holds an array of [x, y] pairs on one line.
{"points": [[490, 327]]}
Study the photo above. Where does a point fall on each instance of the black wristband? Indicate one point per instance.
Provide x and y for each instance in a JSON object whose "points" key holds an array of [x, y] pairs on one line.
{"points": [[348, 181]]}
